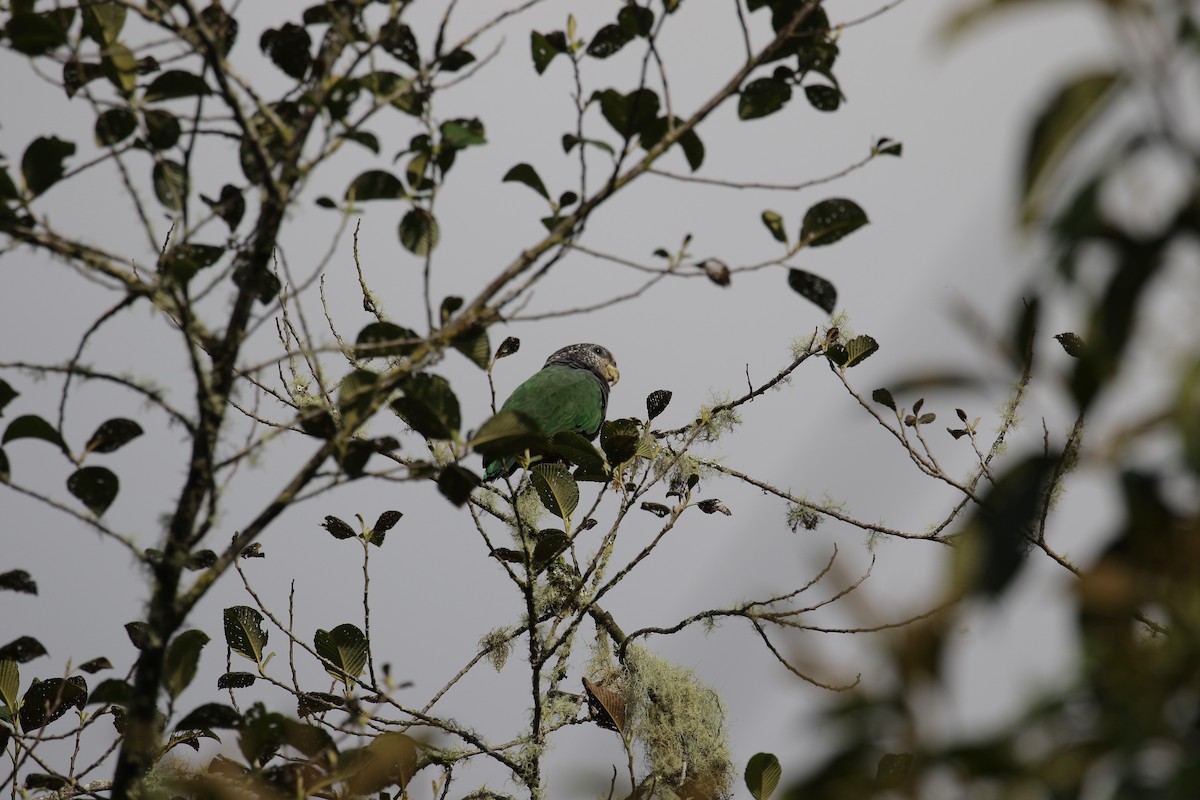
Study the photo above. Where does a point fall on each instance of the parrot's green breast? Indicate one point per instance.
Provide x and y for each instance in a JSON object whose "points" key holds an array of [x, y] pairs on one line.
{"points": [[561, 398]]}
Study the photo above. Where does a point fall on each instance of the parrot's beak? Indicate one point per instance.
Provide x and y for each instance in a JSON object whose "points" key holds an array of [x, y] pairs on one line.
{"points": [[611, 373]]}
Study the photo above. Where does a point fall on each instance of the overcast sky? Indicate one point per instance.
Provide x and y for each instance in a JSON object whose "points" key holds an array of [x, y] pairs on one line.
{"points": [[941, 233]]}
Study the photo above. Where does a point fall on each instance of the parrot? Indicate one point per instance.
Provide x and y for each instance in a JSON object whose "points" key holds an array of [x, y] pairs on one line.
{"points": [[569, 393]]}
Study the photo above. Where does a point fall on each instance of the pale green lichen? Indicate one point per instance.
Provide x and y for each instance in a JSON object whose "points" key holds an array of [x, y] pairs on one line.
{"points": [[499, 643], [716, 421], [679, 723]]}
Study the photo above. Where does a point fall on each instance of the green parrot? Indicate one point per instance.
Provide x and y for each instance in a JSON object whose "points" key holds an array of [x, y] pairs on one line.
{"points": [[569, 393]]}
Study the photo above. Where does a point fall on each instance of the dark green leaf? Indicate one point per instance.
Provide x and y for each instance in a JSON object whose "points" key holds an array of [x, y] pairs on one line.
{"points": [[419, 232], [508, 433], [463, 133], [714, 506], [813, 288], [557, 490], [170, 184], [884, 398], [31, 426], [113, 691], [355, 392], [762, 97], [183, 656], [550, 544], [95, 487], [210, 715], [429, 406], [657, 509], [526, 174], [309, 703], [385, 339], [456, 483], [619, 439], [201, 559], [1059, 126], [288, 48], [77, 74], [1071, 343], [608, 40], [114, 126], [569, 140], [244, 632], [510, 345], [387, 520], [338, 529], [889, 147], [375, 184], [399, 40], [657, 402], [8, 394], [823, 98], [138, 631], [635, 20], [96, 665], [42, 164], [456, 60], [46, 701], [762, 775], [10, 683], [628, 114], [774, 223], [102, 22], [365, 138], [112, 435], [544, 47], [34, 34], [689, 142], [223, 27], [173, 84], [183, 261], [230, 206], [18, 580], [162, 128], [475, 345], [121, 68], [859, 349], [236, 680], [344, 649], [830, 220], [578, 450], [353, 457], [22, 649]]}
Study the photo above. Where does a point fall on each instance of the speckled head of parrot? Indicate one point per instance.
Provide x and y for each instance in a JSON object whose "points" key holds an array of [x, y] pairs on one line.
{"points": [[590, 357]]}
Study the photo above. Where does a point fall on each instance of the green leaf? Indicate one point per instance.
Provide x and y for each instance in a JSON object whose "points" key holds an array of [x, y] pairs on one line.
{"points": [[774, 223], [550, 544], [526, 174], [386, 521], [354, 393], [183, 261], [120, 66], [10, 684], [762, 97], [113, 435], [608, 40], [619, 439], [544, 47], [893, 770], [429, 406], [46, 701], [419, 232], [338, 528], [830, 220], [557, 490], [210, 715], [507, 433], [399, 40], [1072, 344], [579, 451], [884, 398], [23, 649], [456, 483], [628, 114], [8, 394], [95, 487], [385, 339], [170, 184], [689, 142], [456, 60], [1059, 126], [288, 48], [364, 138], [114, 126], [762, 775], [375, 184], [42, 164], [888, 147], [162, 128], [475, 345], [822, 97], [463, 133], [173, 84], [183, 656], [244, 632], [344, 650], [77, 74], [34, 34], [636, 20], [102, 22], [569, 140], [813, 288], [859, 349], [5, 468], [18, 580], [236, 680], [113, 691], [230, 206], [31, 426], [96, 665], [138, 631]]}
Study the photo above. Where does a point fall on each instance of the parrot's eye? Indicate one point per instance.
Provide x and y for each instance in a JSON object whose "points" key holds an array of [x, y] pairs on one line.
{"points": [[598, 350]]}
